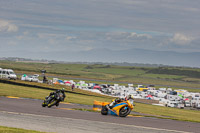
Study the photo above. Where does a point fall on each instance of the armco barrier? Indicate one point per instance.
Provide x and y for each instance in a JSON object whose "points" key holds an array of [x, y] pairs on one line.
{"points": [[98, 105]]}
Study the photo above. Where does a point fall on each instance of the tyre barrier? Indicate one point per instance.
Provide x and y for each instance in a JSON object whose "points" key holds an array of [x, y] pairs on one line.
{"points": [[97, 106]]}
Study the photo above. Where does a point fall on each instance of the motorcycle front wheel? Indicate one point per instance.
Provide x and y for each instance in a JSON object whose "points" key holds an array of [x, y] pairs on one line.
{"points": [[124, 111], [44, 104]]}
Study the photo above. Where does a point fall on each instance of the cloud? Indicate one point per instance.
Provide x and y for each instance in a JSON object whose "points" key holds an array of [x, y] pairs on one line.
{"points": [[25, 35], [191, 9], [135, 35], [181, 39], [114, 25], [6, 26], [127, 36], [70, 38], [39, 26], [50, 35], [53, 37]]}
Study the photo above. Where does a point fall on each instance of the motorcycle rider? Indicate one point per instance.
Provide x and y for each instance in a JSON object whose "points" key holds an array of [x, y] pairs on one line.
{"points": [[118, 100], [56, 94]]}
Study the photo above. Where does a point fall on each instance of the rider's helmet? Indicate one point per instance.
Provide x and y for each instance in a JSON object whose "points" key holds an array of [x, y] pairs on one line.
{"points": [[130, 96], [62, 90]]}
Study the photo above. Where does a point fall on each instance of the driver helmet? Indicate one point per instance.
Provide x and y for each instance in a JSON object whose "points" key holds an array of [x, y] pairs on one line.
{"points": [[63, 90], [130, 96]]}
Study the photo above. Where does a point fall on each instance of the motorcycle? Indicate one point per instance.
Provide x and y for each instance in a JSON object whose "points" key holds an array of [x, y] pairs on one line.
{"points": [[53, 100], [121, 109]]}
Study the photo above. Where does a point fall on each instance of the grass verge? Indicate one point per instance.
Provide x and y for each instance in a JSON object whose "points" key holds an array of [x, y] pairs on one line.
{"points": [[78, 96], [4, 129]]}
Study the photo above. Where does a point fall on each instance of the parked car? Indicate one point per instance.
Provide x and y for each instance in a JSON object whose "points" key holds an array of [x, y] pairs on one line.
{"points": [[31, 78], [197, 105], [187, 103], [172, 104]]}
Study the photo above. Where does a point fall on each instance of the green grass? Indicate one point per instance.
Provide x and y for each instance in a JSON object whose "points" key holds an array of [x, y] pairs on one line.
{"points": [[85, 97], [163, 76], [4, 129], [167, 112], [21, 91], [113, 73], [118, 71], [36, 93]]}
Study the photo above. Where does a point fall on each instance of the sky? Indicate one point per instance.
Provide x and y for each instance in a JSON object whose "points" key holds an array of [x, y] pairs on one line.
{"points": [[85, 25]]}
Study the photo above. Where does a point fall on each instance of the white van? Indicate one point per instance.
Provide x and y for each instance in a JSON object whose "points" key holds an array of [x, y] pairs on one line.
{"points": [[172, 104], [8, 74]]}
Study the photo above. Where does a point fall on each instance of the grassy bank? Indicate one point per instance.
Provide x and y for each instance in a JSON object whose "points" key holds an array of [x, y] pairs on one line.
{"points": [[168, 113], [81, 97], [168, 76], [4, 129]]}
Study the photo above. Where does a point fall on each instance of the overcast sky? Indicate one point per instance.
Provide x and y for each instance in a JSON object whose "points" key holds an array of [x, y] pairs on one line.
{"points": [[81, 25]]}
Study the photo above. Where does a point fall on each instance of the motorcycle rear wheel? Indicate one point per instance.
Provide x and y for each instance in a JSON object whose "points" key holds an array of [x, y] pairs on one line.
{"points": [[124, 112], [104, 110]]}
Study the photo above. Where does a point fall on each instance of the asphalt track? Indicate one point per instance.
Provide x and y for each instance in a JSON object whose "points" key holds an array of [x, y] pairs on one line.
{"points": [[29, 114]]}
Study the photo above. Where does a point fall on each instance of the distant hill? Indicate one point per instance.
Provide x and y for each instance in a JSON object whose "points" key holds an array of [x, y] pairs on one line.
{"points": [[128, 57]]}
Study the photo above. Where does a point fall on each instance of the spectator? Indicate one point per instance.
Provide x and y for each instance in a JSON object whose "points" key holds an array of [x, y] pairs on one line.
{"points": [[44, 79], [73, 87]]}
